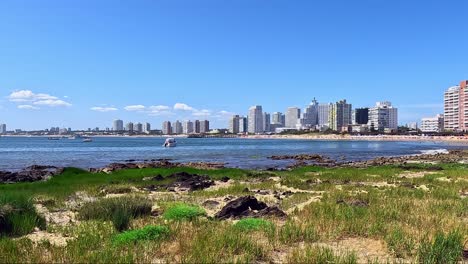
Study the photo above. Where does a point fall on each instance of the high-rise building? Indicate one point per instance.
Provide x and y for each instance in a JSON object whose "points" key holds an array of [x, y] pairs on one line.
{"points": [[129, 127], [266, 122], [243, 124], [255, 119], [177, 127], [383, 117], [361, 116], [147, 128], [432, 124], [118, 125], [451, 108], [292, 117], [188, 127], [167, 128], [463, 112], [278, 119], [234, 123], [309, 118], [204, 126], [339, 117], [197, 126], [139, 127], [3, 129]]}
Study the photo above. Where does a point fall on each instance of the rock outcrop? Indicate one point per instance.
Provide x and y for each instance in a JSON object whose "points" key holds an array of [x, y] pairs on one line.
{"points": [[30, 174], [248, 206]]}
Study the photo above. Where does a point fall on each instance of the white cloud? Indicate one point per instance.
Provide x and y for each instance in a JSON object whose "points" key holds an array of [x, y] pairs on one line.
{"points": [[28, 107], [52, 102], [135, 108], [103, 109], [23, 96], [203, 112], [183, 107], [159, 108]]}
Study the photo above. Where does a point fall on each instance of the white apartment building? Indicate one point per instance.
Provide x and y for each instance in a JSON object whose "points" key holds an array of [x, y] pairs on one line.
{"points": [[432, 124], [293, 114], [383, 117], [167, 128], [255, 119], [188, 127], [451, 108], [309, 118]]}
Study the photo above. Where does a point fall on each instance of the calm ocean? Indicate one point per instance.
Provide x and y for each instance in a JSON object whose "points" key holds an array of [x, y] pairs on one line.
{"points": [[19, 152]]}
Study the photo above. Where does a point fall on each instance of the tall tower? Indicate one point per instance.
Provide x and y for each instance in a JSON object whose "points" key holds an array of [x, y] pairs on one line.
{"points": [[255, 119]]}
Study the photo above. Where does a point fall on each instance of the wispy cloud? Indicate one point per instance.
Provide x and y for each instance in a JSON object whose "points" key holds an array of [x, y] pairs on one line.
{"points": [[183, 107], [28, 107], [103, 109], [135, 108], [203, 112], [39, 99]]}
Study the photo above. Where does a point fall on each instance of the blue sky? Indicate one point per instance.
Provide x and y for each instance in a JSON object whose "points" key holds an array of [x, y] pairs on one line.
{"points": [[84, 63]]}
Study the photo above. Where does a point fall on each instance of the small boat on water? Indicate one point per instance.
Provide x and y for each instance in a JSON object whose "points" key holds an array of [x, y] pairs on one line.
{"points": [[88, 140], [170, 143]]}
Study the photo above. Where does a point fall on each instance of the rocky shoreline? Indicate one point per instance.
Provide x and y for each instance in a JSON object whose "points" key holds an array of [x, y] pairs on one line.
{"points": [[41, 173]]}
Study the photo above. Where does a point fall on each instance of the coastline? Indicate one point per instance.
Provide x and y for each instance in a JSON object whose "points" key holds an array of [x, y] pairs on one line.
{"points": [[457, 139]]}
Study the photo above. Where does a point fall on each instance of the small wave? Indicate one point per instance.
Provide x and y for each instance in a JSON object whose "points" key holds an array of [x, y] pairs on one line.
{"points": [[434, 151]]}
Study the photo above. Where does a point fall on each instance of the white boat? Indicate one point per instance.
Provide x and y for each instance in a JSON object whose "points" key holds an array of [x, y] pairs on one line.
{"points": [[170, 143], [88, 140]]}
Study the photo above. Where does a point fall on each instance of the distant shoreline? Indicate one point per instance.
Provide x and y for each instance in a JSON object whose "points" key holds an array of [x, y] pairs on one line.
{"points": [[457, 139]]}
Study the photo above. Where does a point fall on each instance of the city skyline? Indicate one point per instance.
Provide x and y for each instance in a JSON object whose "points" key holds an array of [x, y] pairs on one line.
{"points": [[93, 61]]}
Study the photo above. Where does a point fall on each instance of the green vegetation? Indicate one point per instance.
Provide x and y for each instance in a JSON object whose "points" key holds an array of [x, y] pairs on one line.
{"points": [[18, 216], [118, 210], [148, 233], [181, 212], [335, 215], [253, 224]]}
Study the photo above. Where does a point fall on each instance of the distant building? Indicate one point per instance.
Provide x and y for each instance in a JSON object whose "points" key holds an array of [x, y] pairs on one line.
{"points": [[323, 113], [292, 117], [278, 119], [147, 128], [196, 126], [383, 117], [243, 124], [3, 128], [432, 124], [234, 123], [188, 127], [266, 122], [139, 128], [456, 107], [129, 127], [167, 128], [204, 126], [361, 116], [309, 118], [412, 126], [118, 125], [177, 127], [255, 119], [339, 117]]}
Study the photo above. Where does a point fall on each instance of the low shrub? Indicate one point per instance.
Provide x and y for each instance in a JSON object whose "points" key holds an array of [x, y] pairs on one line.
{"points": [[253, 224], [18, 216], [443, 249], [148, 233], [119, 210], [183, 212]]}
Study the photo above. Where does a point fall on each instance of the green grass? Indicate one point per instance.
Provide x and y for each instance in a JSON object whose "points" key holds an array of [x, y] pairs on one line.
{"points": [[253, 224], [443, 249], [18, 216], [315, 254], [180, 212], [118, 210], [148, 233]]}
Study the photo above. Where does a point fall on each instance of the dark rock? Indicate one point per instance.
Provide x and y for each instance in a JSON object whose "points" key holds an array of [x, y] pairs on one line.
{"points": [[225, 179], [465, 253], [158, 177], [246, 190], [240, 207], [248, 206], [30, 174], [190, 182]]}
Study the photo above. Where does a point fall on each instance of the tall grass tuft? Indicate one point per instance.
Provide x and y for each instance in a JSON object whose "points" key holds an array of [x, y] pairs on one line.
{"points": [[18, 216], [320, 255], [148, 233], [182, 211], [443, 249], [119, 210]]}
